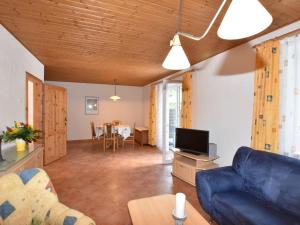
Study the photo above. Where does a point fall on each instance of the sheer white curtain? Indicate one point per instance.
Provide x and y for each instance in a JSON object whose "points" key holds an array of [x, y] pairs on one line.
{"points": [[289, 120], [162, 118]]}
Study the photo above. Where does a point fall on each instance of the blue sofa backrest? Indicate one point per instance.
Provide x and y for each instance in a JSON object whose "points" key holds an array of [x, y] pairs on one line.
{"points": [[271, 177]]}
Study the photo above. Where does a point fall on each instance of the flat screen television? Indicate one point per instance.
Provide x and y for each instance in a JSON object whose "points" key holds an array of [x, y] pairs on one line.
{"points": [[192, 141]]}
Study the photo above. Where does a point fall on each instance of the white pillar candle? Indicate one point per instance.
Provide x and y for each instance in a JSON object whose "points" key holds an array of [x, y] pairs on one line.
{"points": [[180, 205]]}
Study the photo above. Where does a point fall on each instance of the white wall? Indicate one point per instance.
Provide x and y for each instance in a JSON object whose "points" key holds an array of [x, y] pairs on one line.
{"points": [[129, 109], [223, 99], [15, 61]]}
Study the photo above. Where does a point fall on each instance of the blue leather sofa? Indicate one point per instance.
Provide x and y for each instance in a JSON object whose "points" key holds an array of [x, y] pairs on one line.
{"points": [[260, 188]]}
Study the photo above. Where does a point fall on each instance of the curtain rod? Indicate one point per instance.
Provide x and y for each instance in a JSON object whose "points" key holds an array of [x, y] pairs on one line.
{"points": [[292, 33], [173, 76], [280, 37]]}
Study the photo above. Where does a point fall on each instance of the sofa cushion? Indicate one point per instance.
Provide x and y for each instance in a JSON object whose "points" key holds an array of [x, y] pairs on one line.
{"points": [[272, 177], [14, 204], [40, 191], [242, 208], [30, 199]]}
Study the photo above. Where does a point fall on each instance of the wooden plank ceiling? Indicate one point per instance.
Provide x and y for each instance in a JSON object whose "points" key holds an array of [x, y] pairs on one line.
{"points": [[95, 41]]}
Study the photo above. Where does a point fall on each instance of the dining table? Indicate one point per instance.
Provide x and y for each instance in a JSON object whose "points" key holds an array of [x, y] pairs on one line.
{"points": [[122, 129]]}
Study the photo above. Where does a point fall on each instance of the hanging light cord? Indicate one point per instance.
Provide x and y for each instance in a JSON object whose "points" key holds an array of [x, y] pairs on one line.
{"points": [[201, 36], [178, 17], [115, 81]]}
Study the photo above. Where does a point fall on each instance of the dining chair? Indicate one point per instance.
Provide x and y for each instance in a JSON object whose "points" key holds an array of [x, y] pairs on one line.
{"points": [[118, 136], [94, 134], [131, 138], [116, 122], [109, 136]]}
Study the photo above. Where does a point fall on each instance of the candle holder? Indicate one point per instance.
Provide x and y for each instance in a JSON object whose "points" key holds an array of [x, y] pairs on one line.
{"points": [[178, 221]]}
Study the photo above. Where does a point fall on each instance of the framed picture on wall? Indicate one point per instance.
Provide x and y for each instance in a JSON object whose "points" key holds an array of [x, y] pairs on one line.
{"points": [[91, 105]]}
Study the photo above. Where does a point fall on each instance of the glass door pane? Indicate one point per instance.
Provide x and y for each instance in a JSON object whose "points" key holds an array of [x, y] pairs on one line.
{"points": [[171, 118], [168, 117], [174, 110]]}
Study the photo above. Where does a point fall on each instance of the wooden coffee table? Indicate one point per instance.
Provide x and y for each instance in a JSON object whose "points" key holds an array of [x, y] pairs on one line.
{"points": [[158, 210]]}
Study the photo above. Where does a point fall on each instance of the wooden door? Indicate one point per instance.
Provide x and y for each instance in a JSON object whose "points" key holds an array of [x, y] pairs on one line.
{"points": [[61, 122], [55, 112]]}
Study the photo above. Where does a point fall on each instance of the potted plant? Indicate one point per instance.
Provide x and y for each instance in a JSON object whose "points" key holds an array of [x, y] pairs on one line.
{"points": [[21, 133]]}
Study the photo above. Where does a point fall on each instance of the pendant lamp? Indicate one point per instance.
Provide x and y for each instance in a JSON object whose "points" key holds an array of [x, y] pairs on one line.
{"points": [[115, 97], [176, 59], [244, 18]]}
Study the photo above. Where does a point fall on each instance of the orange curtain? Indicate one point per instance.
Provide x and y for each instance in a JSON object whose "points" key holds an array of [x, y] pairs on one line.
{"points": [[266, 97], [152, 116], [186, 108]]}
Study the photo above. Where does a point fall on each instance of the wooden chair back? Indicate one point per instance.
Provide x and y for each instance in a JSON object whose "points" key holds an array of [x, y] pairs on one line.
{"points": [[133, 132], [109, 130], [94, 136], [116, 122], [131, 138]]}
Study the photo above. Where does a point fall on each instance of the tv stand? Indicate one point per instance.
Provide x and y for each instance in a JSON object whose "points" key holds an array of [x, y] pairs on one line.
{"points": [[186, 165]]}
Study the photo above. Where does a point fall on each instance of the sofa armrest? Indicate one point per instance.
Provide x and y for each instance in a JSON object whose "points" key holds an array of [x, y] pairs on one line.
{"points": [[60, 214], [209, 182]]}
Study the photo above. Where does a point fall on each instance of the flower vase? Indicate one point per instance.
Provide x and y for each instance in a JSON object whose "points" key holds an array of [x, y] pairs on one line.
{"points": [[20, 144]]}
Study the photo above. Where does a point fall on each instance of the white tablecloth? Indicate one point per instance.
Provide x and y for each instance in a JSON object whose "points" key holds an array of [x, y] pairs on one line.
{"points": [[123, 130]]}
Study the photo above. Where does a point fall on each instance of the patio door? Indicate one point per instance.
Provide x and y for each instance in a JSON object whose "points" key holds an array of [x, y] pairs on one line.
{"points": [[169, 111], [173, 110]]}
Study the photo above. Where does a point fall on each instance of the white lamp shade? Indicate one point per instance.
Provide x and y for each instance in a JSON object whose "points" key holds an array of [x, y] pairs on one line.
{"points": [[115, 98], [176, 59], [244, 18]]}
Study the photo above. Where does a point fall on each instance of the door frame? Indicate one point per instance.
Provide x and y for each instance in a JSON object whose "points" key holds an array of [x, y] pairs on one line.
{"points": [[31, 77], [35, 79]]}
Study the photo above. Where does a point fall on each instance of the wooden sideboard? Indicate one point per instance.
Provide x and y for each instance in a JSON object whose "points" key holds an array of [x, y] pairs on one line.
{"points": [[17, 161], [141, 135]]}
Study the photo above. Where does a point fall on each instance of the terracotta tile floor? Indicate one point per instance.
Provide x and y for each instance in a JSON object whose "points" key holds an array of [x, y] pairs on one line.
{"points": [[100, 184]]}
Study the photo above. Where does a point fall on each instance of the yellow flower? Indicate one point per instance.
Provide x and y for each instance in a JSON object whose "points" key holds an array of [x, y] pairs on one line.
{"points": [[14, 130]]}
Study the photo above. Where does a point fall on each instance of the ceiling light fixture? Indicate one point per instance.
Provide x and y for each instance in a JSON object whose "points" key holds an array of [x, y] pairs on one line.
{"points": [[115, 97], [176, 59], [243, 18]]}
